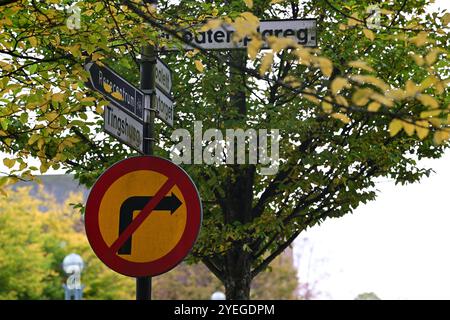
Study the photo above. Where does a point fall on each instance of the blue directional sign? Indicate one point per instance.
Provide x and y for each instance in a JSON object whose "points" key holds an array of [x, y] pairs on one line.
{"points": [[103, 77]]}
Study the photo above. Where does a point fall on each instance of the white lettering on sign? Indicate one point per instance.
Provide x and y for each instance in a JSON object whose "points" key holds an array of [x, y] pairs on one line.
{"points": [[123, 127], [163, 77], [164, 107], [303, 31], [127, 97]]}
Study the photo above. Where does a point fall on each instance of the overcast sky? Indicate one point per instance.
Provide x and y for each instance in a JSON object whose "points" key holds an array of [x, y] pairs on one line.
{"points": [[397, 246]]}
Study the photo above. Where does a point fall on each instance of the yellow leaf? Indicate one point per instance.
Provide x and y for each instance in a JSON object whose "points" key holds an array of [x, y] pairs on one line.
{"points": [[6, 21], [292, 81], [51, 116], [278, 44], [276, 1], [422, 129], [382, 99], [58, 97], [107, 87], [117, 95], [253, 48], [43, 168], [303, 55], [266, 63], [99, 109], [409, 128], [432, 56], [96, 56], [199, 66], [340, 116], [325, 65], [369, 34], [428, 101], [374, 106], [338, 84], [75, 50], [419, 60], [249, 3], [446, 19], [430, 114], [359, 64], [327, 107], [395, 127], [411, 88], [342, 101], [88, 99], [435, 122], [33, 41], [254, 20], [354, 20], [441, 136], [361, 96], [211, 24], [9, 162], [371, 80], [421, 39], [33, 139], [396, 94], [312, 98], [41, 143]]}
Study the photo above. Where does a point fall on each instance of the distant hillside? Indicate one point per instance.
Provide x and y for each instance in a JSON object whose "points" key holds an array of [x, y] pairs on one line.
{"points": [[58, 185]]}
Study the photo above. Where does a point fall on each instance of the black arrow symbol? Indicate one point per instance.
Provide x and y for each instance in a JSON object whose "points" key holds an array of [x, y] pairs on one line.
{"points": [[170, 203]]}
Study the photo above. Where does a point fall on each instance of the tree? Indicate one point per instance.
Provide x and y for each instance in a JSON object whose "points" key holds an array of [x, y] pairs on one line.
{"points": [[36, 234], [35, 237], [195, 281], [367, 296], [369, 102]]}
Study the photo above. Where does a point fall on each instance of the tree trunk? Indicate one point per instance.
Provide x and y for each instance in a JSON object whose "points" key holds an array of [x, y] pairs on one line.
{"points": [[238, 275], [238, 195]]}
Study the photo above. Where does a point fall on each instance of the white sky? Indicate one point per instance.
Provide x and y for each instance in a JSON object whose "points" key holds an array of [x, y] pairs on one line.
{"points": [[397, 246]]}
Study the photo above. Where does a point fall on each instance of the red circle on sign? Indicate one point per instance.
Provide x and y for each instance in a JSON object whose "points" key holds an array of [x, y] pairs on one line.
{"points": [[194, 216]]}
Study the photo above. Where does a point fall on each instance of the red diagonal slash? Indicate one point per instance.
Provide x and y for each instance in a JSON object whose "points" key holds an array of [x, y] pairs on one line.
{"points": [[162, 192]]}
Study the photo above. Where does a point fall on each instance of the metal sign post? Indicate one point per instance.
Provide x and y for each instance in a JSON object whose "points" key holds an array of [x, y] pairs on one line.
{"points": [[147, 73]]}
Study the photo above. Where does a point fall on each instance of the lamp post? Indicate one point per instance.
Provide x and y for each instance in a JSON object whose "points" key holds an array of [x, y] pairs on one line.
{"points": [[218, 296], [73, 265]]}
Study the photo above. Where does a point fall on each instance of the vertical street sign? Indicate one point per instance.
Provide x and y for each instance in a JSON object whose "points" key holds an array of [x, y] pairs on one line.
{"points": [[163, 77], [164, 107]]}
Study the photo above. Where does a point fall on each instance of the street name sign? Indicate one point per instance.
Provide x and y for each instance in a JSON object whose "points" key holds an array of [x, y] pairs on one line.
{"points": [[303, 31], [134, 99], [164, 107], [102, 76], [143, 216], [124, 126], [163, 77]]}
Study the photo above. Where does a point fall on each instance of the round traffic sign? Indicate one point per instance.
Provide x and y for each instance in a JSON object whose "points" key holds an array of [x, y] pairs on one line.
{"points": [[143, 216]]}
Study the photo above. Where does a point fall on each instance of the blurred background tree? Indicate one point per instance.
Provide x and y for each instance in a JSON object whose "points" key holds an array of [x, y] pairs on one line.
{"points": [[37, 231]]}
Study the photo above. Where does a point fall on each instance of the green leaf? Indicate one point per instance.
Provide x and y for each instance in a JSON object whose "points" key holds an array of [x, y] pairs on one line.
{"points": [[33, 68]]}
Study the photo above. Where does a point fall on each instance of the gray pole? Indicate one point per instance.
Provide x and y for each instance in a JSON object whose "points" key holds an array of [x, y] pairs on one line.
{"points": [[147, 75]]}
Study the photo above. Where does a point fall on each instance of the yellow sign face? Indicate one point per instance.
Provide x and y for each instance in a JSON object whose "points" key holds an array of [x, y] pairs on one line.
{"points": [[143, 216], [160, 232]]}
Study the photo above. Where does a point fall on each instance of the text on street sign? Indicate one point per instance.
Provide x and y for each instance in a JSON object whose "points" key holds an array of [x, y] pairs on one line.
{"points": [[303, 31], [123, 127]]}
